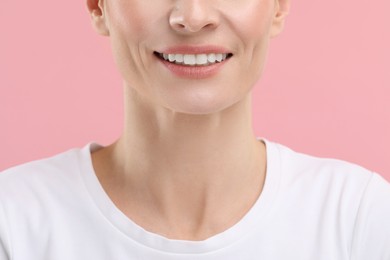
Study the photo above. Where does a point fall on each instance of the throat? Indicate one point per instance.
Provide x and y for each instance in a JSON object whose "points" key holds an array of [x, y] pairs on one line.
{"points": [[183, 205]]}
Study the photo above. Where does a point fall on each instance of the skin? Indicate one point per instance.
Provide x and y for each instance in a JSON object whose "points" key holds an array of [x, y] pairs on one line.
{"points": [[188, 165]]}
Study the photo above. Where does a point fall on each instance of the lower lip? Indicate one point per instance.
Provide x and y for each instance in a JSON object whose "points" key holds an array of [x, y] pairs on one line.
{"points": [[194, 72]]}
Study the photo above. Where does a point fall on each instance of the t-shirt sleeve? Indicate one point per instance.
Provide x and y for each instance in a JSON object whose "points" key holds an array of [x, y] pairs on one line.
{"points": [[3, 253], [371, 238], [4, 242]]}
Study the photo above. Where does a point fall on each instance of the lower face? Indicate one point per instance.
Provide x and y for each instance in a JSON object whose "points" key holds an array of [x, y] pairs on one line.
{"points": [[140, 33]]}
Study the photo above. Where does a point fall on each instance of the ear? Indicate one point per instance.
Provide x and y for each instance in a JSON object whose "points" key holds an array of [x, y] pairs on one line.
{"points": [[282, 9], [98, 17]]}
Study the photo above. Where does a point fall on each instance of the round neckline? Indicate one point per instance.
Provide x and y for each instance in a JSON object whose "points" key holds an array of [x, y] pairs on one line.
{"points": [[252, 220]]}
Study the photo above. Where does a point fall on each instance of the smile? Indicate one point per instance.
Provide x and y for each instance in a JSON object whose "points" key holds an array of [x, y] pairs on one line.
{"points": [[194, 59]]}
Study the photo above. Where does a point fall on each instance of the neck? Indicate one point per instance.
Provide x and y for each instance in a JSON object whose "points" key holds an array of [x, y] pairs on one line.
{"points": [[182, 145], [188, 164]]}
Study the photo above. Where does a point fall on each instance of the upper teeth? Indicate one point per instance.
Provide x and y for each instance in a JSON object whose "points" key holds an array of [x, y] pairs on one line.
{"points": [[195, 59]]}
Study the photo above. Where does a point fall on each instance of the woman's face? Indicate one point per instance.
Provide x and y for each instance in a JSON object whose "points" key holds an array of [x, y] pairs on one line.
{"points": [[142, 32]]}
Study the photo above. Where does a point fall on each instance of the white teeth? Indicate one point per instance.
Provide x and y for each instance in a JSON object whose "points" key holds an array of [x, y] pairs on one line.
{"points": [[189, 59], [211, 58], [201, 59], [171, 57], [219, 57], [179, 57], [195, 59]]}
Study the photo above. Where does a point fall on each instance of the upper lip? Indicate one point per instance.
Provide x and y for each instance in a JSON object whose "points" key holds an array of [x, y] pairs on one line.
{"points": [[195, 49]]}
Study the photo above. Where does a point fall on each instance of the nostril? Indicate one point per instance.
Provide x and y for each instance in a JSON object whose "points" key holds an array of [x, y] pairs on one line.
{"points": [[192, 22]]}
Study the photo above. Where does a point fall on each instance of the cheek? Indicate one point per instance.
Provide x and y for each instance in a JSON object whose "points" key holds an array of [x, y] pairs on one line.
{"points": [[250, 19], [252, 24], [126, 18], [128, 23], [133, 17]]}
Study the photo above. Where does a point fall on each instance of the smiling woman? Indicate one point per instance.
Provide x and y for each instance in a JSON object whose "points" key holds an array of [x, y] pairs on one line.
{"points": [[138, 30], [188, 178]]}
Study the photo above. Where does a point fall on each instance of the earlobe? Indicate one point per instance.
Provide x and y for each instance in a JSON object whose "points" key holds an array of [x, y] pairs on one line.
{"points": [[282, 9], [98, 18]]}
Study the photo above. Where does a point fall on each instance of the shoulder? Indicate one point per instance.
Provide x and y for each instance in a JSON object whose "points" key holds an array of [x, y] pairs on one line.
{"points": [[341, 185], [372, 225], [297, 166], [347, 198], [36, 196], [40, 175]]}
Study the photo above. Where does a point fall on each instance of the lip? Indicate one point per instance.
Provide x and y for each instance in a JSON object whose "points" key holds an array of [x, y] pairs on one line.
{"points": [[194, 72]]}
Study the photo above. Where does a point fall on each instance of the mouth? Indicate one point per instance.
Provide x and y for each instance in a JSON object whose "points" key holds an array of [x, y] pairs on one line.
{"points": [[193, 60]]}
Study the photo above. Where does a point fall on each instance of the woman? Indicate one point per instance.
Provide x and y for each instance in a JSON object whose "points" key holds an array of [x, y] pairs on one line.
{"points": [[188, 179]]}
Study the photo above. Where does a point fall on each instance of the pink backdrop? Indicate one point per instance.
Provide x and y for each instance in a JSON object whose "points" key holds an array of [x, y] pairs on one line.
{"points": [[325, 91]]}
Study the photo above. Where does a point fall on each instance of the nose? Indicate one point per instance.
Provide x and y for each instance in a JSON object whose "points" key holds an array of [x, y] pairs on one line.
{"points": [[191, 16]]}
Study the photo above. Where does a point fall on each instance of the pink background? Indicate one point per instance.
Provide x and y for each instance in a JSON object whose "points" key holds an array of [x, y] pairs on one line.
{"points": [[325, 90]]}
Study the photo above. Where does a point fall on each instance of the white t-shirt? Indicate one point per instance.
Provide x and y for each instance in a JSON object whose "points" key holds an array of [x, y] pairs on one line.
{"points": [[310, 209]]}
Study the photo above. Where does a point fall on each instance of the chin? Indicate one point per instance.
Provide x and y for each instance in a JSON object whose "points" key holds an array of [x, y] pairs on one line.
{"points": [[202, 106]]}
